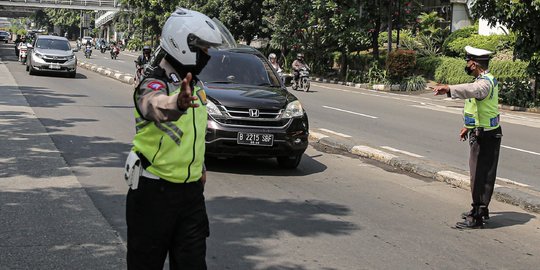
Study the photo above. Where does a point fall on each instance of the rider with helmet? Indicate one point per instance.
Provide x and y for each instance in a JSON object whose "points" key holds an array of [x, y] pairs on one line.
{"points": [[273, 60], [144, 57], [297, 65], [165, 207]]}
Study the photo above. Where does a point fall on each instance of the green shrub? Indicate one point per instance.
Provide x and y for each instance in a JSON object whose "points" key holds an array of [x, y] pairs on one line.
{"points": [[491, 43], [460, 33], [376, 75], [400, 64], [451, 71], [403, 34], [508, 69], [517, 92], [428, 65], [413, 83], [134, 44]]}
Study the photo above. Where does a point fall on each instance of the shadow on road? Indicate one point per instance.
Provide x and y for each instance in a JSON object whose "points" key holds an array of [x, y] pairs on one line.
{"points": [[507, 219], [240, 225], [55, 228], [263, 166]]}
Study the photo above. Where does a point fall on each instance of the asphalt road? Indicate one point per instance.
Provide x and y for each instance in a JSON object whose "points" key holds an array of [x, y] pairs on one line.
{"points": [[334, 212], [418, 125]]}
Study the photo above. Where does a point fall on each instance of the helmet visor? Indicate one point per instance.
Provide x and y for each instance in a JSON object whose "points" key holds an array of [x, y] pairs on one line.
{"points": [[226, 36]]}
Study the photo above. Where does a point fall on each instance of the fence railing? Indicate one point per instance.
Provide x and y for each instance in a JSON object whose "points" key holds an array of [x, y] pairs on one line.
{"points": [[98, 4]]}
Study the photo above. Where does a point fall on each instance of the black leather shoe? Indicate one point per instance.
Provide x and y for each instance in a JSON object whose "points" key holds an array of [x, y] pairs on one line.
{"points": [[485, 213], [470, 223]]}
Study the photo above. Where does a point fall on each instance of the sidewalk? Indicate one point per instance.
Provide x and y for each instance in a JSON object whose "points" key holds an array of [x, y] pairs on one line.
{"points": [[47, 221]]}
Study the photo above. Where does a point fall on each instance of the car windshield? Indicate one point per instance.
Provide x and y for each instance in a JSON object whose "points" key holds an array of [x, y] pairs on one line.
{"points": [[238, 68], [53, 44], [4, 34]]}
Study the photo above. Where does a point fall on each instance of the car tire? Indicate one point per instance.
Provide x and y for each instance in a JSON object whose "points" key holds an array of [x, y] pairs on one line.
{"points": [[72, 74], [289, 162], [27, 68], [31, 70]]}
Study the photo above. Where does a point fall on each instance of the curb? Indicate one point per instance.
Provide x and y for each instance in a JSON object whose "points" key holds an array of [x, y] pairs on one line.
{"points": [[119, 76], [506, 191]]}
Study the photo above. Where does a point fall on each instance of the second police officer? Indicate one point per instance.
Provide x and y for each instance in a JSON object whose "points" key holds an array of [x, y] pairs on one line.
{"points": [[481, 126]]}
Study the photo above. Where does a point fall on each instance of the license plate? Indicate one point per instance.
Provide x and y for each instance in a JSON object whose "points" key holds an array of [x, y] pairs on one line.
{"points": [[54, 66], [255, 139]]}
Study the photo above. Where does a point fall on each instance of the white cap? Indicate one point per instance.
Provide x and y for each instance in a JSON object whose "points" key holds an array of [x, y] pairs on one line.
{"points": [[477, 54]]}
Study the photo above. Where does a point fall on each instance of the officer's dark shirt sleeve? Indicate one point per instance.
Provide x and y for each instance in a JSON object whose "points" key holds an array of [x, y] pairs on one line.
{"points": [[154, 104]]}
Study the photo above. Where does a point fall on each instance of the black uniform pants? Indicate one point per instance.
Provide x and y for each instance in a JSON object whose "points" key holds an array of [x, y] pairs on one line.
{"points": [[483, 160], [163, 217]]}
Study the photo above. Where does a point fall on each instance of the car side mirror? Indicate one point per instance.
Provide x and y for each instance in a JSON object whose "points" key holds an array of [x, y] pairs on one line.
{"points": [[29, 46]]}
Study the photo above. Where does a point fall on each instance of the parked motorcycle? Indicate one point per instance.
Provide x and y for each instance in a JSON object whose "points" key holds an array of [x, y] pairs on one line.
{"points": [[303, 82], [88, 51], [114, 52]]}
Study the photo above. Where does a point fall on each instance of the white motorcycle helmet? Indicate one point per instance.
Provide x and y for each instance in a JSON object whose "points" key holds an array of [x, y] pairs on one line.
{"points": [[185, 33]]}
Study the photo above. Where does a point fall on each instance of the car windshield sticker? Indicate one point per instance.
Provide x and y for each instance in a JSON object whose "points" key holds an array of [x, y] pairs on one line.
{"points": [[202, 96]]}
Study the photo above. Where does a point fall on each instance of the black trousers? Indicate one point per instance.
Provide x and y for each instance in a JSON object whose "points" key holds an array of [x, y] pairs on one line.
{"points": [[483, 160], [166, 218]]}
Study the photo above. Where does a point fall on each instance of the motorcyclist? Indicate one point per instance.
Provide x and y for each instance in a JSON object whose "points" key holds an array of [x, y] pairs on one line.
{"points": [[144, 57], [114, 48], [21, 45], [17, 42], [273, 60], [297, 65]]}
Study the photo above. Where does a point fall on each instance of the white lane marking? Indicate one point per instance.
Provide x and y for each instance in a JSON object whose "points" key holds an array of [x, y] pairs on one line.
{"points": [[508, 181], [521, 150], [341, 110], [335, 133], [401, 151]]}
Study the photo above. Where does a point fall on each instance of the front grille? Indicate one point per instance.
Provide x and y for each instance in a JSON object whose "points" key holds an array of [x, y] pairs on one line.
{"points": [[245, 113], [253, 122], [54, 59]]}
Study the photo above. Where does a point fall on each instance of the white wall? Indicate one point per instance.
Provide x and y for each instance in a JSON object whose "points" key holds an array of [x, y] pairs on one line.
{"points": [[486, 30], [460, 16]]}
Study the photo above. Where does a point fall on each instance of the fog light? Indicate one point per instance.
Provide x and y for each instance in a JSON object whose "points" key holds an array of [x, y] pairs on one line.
{"points": [[297, 140]]}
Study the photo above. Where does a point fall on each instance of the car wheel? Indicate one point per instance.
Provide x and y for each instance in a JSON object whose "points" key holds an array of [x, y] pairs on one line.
{"points": [[31, 70], [72, 74], [290, 162], [27, 69]]}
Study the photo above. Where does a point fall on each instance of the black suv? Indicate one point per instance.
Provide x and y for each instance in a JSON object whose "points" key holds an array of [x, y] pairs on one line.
{"points": [[250, 112]]}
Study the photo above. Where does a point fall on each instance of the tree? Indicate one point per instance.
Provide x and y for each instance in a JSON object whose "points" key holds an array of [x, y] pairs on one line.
{"points": [[522, 18], [67, 19], [244, 19]]}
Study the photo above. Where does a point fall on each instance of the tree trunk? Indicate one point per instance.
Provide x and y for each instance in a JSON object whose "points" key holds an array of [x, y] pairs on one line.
{"points": [[343, 63], [390, 17]]}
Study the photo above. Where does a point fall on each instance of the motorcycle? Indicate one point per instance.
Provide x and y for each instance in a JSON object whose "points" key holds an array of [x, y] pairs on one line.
{"points": [[88, 51], [103, 48], [114, 52], [303, 80], [139, 73], [23, 52]]}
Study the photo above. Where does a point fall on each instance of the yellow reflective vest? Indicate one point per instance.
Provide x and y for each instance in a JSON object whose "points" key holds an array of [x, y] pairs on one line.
{"points": [[483, 113], [174, 150]]}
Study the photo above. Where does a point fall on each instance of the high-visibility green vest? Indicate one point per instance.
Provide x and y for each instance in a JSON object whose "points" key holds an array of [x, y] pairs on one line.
{"points": [[483, 113], [175, 150]]}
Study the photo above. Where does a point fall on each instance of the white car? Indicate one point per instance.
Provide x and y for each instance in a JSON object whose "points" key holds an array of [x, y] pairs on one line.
{"points": [[53, 54]]}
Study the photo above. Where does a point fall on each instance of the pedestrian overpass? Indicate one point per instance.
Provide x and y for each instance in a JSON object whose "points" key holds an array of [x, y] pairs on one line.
{"points": [[21, 8]]}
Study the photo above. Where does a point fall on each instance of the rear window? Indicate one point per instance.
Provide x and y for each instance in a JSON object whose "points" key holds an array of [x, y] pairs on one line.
{"points": [[4, 34], [53, 44], [238, 68]]}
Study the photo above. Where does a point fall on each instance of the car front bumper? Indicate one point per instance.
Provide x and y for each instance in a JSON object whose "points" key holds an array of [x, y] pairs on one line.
{"points": [[291, 140], [42, 65]]}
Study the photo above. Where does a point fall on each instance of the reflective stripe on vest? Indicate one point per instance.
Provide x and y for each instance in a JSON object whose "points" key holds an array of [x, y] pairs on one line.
{"points": [[174, 155], [483, 113]]}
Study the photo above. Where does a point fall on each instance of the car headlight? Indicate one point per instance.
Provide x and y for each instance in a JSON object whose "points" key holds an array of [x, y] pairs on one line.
{"points": [[70, 57], [294, 109], [38, 55], [212, 109]]}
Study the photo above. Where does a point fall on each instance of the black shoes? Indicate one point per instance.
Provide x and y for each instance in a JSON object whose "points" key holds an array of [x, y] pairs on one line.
{"points": [[464, 215], [474, 219]]}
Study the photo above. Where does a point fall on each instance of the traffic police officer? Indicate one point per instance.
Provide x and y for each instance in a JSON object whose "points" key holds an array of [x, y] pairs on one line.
{"points": [[481, 126], [165, 208]]}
